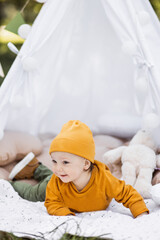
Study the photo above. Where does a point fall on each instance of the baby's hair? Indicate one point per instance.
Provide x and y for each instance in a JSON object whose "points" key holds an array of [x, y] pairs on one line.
{"points": [[91, 167]]}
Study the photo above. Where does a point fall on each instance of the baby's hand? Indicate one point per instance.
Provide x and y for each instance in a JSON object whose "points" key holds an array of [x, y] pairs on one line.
{"points": [[142, 214]]}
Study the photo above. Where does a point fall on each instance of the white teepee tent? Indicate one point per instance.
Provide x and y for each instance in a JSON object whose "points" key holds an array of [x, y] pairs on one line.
{"points": [[93, 60]]}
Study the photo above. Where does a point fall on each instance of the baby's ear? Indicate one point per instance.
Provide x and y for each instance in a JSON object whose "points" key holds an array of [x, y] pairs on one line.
{"points": [[87, 164]]}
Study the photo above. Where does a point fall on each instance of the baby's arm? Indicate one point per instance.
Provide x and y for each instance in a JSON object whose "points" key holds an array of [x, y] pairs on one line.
{"points": [[55, 205], [127, 195], [54, 202], [132, 200]]}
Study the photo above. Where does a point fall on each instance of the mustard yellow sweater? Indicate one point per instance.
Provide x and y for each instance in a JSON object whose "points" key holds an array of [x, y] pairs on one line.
{"points": [[63, 198]]}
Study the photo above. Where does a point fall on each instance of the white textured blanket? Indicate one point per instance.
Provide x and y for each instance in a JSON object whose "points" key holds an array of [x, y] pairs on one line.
{"points": [[25, 218]]}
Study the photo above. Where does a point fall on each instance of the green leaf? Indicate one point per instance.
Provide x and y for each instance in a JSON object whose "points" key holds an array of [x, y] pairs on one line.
{"points": [[15, 23]]}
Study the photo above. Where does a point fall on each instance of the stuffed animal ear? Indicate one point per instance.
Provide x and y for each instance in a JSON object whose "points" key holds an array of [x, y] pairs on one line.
{"points": [[144, 137], [113, 156]]}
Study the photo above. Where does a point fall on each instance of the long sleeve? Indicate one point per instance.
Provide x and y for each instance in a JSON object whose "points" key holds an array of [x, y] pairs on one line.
{"points": [[54, 202], [63, 198], [125, 194]]}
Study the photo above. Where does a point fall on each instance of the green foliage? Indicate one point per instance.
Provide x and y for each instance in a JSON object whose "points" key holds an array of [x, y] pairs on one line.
{"points": [[10, 236], [66, 236], [156, 6], [6, 58], [9, 8]]}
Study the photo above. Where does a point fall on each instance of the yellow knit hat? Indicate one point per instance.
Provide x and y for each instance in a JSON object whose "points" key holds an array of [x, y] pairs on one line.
{"points": [[76, 138]]}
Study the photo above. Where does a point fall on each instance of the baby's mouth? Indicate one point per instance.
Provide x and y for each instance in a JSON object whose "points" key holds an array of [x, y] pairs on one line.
{"points": [[63, 175]]}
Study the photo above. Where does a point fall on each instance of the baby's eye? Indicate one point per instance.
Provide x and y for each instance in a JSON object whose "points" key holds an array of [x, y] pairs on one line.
{"points": [[65, 162], [54, 161]]}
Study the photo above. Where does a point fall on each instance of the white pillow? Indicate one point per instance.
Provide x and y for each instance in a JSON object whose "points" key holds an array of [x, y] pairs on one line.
{"points": [[107, 141], [15, 145], [123, 126]]}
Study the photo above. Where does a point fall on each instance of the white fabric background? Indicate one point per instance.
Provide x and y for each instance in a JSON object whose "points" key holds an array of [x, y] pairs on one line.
{"points": [[81, 70]]}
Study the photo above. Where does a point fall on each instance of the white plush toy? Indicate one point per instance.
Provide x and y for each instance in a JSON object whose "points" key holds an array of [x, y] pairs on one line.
{"points": [[138, 161]]}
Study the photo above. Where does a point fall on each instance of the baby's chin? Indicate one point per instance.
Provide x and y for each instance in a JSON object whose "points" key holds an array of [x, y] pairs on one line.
{"points": [[64, 178]]}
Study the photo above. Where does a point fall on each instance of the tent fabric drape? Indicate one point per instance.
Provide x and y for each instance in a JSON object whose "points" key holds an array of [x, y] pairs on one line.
{"points": [[81, 60]]}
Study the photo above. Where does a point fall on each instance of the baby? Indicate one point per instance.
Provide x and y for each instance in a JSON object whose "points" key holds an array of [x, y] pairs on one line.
{"points": [[79, 183]]}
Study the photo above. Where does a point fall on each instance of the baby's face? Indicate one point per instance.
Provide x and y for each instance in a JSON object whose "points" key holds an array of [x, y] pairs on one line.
{"points": [[69, 167]]}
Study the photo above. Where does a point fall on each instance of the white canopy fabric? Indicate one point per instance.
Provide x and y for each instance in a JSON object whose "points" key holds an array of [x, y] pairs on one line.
{"points": [[92, 60]]}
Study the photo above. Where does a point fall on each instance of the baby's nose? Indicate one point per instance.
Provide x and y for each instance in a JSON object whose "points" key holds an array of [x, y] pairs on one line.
{"points": [[59, 168]]}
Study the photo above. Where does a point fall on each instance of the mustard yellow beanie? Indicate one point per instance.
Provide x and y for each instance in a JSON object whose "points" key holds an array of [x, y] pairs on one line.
{"points": [[76, 138]]}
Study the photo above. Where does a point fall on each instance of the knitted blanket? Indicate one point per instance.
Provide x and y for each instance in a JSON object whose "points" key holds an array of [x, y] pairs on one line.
{"points": [[25, 218]]}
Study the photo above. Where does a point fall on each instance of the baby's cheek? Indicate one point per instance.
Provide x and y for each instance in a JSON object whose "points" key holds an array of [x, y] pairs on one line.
{"points": [[69, 172], [53, 170]]}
